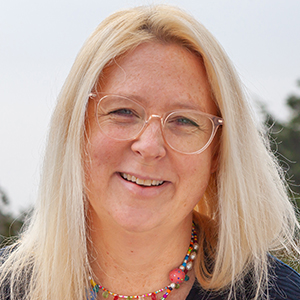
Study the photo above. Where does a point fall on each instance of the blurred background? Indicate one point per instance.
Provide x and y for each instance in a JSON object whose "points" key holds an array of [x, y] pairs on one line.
{"points": [[39, 41]]}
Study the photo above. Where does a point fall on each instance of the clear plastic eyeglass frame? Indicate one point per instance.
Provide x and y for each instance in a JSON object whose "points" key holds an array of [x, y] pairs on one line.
{"points": [[215, 120]]}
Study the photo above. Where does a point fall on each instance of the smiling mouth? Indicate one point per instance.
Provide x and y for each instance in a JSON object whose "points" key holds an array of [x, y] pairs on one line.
{"points": [[142, 182]]}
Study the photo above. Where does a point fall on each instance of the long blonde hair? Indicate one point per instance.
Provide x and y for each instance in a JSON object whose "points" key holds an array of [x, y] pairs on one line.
{"points": [[246, 199]]}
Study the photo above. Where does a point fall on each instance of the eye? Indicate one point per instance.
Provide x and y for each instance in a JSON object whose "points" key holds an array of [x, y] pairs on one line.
{"points": [[183, 121], [122, 112], [122, 115]]}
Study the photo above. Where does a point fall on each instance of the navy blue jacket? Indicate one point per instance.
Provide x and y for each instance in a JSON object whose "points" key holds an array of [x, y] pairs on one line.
{"points": [[284, 284]]}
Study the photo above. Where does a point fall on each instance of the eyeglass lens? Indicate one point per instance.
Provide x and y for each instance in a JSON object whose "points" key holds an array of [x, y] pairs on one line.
{"points": [[186, 131]]}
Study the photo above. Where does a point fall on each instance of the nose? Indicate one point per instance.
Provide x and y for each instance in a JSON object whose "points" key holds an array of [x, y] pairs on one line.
{"points": [[150, 143]]}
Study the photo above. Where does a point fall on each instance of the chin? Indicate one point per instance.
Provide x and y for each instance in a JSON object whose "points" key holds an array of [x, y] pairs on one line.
{"points": [[138, 222]]}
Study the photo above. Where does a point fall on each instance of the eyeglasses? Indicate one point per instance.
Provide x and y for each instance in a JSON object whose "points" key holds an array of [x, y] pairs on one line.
{"points": [[185, 131]]}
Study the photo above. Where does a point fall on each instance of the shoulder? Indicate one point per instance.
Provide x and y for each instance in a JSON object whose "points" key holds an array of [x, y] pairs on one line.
{"points": [[197, 292], [4, 284], [5, 252], [284, 282]]}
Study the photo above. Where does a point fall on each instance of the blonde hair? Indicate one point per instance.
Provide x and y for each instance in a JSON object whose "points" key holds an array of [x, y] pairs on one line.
{"points": [[246, 199]]}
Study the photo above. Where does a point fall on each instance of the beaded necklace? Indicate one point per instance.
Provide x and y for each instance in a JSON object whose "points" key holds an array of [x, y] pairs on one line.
{"points": [[177, 276]]}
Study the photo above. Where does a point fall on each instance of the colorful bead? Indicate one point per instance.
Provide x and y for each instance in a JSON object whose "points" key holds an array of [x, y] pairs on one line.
{"points": [[105, 294], [177, 276], [96, 288], [193, 255], [116, 297], [189, 265], [196, 246], [153, 297]]}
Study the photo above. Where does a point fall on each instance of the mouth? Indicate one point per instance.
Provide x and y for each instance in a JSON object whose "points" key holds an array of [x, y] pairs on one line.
{"points": [[142, 182]]}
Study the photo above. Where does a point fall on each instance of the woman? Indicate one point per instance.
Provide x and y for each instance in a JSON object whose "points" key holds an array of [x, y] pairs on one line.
{"points": [[156, 182]]}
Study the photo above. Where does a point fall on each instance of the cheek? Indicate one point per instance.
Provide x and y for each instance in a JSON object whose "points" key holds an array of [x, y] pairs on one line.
{"points": [[102, 150], [195, 177], [199, 167], [99, 153], [98, 171]]}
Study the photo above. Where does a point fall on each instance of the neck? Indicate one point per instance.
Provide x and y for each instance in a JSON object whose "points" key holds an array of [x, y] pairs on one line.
{"points": [[136, 263]]}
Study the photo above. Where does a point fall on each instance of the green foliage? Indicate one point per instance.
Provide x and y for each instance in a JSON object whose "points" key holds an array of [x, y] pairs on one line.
{"points": [[9, 225], [285, 142]]}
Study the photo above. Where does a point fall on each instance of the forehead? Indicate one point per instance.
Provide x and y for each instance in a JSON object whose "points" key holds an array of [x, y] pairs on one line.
{"points": [[159, 74]]}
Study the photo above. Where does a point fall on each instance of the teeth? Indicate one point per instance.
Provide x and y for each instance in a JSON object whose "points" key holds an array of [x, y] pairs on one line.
{"points": [[147, 182], [140, 181]]}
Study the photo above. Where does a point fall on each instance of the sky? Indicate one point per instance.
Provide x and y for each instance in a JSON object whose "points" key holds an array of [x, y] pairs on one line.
{"points": [[39, 41]]}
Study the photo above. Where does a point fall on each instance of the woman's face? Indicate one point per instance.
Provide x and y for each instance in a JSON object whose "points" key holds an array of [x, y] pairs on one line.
{"points": [[162, 78]]}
